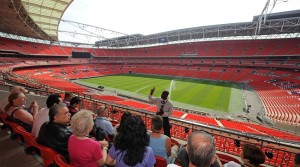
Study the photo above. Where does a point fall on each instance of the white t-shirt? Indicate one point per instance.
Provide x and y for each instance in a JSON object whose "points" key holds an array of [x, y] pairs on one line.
{"points": [[41, 117], [168, 107], [232, 164]]}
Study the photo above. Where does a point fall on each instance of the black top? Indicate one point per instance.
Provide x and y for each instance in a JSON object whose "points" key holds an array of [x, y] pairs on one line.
{"points": [[55, 136]]}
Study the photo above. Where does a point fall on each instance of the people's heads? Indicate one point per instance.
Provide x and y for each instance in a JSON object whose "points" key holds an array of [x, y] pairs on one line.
{"points": [[18, 89], [17, 99], [59, 113], [297, 160], [164, 95], [53, 99], [68, 96], [82, 123], [75, 101], [201, 148], [101, 111], [124, 117], [133, 138], [156, 123], [252, 154]]}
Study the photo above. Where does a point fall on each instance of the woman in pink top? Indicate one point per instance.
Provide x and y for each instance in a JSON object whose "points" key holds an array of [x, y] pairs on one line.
{"points": [[84, 151]]}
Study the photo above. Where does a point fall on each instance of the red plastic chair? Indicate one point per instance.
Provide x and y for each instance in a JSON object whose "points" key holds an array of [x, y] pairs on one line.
{"points": [[160, 161], [26, 137], [61, 161], [47, 153]]}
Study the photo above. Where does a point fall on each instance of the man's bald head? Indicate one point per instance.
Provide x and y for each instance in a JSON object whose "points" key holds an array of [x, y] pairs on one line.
{"points": [[201, 149]]}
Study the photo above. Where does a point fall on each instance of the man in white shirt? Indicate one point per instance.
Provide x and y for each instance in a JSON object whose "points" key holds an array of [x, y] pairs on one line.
{"points": [[43, 115], [164, 108]]}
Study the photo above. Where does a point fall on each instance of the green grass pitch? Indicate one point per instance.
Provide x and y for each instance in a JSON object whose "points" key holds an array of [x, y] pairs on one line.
{"points": [[211, 95]]}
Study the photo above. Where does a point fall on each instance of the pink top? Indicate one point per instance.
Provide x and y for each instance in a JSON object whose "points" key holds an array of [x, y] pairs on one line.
{"points": [[84, 153]]}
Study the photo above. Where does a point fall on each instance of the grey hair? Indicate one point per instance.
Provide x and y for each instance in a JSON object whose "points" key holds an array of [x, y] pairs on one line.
{"points": [[81, 123], [201, 149], [54, 110], [100, 109]]}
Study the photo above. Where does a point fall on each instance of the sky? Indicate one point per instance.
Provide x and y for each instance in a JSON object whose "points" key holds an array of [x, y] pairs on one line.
{"points": [[153, 16]]}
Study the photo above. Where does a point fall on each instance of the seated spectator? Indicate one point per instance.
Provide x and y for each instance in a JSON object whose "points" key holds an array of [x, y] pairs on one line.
{"points": [[84, 151], [297, 160], [13, 89], [131, 145], [251, 156], [74, 106], [55, 134], [102, 122], [43, 115], [200, 152], [160, 144], [18, 113], [124, 117], [67, 98]]}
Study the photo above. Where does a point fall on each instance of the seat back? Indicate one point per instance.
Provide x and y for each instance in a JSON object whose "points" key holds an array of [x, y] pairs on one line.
{"points": [[47, 153], [61, 161], [27, 137], [160, 161]]}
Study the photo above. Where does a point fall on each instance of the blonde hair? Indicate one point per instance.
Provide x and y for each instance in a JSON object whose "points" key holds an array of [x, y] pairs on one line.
{"points": [[81, 123]]}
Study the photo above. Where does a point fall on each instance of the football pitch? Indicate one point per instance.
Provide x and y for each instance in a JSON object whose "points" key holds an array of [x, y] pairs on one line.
{"points": [[202, 94]]}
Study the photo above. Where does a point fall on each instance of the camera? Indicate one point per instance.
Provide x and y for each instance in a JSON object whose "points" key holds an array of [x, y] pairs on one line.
{"points": [[160, 112]]}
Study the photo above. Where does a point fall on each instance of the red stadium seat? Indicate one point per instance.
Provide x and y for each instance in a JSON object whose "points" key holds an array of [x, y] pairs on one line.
{"points": [[47, 153], [160, 162]]}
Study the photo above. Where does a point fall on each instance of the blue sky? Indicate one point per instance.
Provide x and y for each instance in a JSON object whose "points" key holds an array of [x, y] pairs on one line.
{"points": [[154, 16]]}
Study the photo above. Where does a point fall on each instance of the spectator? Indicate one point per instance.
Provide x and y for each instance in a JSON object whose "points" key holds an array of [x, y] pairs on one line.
{"points": [[55, 134], [18, 113], [251, 156], [131, 145], [164, 109], [297, 160], [74, 106], [43, 115], [102, 122], [67, 98], [160, 144], [124, 117], [84, 151], [12, 90], [200, 152]]}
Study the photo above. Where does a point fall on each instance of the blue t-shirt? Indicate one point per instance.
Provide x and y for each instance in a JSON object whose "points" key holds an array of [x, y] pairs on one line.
{"points": [[148, 161], [158, 146]]}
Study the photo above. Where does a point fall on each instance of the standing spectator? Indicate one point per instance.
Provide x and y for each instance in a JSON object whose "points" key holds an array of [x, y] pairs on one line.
{"points": [[67, 98], [251, 156], [55, 134], [18, 113], [164, 109], [102, 122], [131, 145], [200, 151], [160, 144], [84, 151], [74, 106], [12, 90], [43, 115]]}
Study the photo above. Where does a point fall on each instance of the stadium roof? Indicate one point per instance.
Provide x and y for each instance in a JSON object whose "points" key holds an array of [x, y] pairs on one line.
{"points": [[32, 18]]}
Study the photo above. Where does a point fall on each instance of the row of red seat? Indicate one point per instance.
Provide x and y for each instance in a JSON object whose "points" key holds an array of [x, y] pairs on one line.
{"points": [[209, 48]]}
